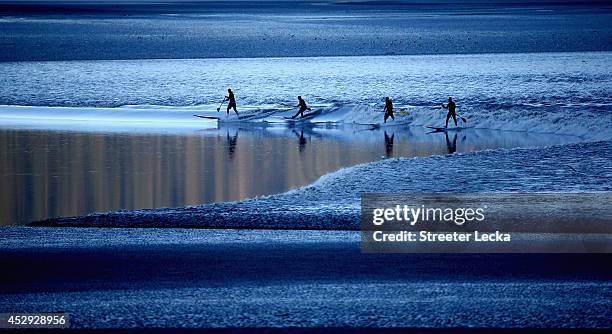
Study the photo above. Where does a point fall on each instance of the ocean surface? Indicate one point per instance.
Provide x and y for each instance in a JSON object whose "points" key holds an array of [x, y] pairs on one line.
{"points": [[96, 114], [567, 93], [79, 137]]}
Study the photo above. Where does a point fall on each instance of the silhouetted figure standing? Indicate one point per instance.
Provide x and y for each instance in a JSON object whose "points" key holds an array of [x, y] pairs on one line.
{"points": [[303, 107], [451, 106], [232, 101], [388, 109]]}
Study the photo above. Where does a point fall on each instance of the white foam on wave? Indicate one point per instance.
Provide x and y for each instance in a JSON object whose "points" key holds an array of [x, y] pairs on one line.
{"points": [[130, 119], [587, 122]]}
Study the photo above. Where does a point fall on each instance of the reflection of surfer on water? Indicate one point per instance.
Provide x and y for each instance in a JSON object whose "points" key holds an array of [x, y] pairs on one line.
{"points": [[452, 147], [301, 140], [231, 143], [389, 143]]}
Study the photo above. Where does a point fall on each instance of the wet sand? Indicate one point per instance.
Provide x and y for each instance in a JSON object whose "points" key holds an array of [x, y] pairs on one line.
{"points": [[212, 278]]}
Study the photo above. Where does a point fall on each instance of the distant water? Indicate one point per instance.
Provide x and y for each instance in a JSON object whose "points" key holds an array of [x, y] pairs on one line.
{"points": [[73, 30], [491, 81]]}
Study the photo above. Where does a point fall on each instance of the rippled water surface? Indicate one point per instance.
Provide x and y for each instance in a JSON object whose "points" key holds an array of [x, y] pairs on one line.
{"points": [[47, 173]]}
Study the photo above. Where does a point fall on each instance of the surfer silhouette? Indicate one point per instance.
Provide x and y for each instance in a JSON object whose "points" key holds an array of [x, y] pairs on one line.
{"points": [[388, 109], [232, 101], [451, 106], [303, 107]]}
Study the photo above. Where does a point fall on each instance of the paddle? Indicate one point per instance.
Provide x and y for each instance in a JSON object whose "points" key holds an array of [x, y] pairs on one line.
{"points": [[221, 105], [462, 118]]}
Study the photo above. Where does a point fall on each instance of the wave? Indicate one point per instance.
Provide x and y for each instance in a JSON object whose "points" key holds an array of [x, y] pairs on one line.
{"points": [[587, 121], [562, 93]]}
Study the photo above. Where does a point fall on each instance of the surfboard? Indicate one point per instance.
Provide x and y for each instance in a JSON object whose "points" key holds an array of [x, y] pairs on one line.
{"points": [[297, 119], [206, 117], [306, 116], [226, 119], [443, 129], [388, 124]]}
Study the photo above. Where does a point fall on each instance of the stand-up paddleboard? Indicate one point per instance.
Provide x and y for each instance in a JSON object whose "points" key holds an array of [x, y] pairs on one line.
{"points": [[437, 128], [224, 119], [388, 124], [443, 129], [288, 119], [206, 117], [306, 116]]}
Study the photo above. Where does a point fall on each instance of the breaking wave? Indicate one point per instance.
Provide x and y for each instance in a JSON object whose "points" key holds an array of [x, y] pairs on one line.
{"points": [[590, 122]]}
